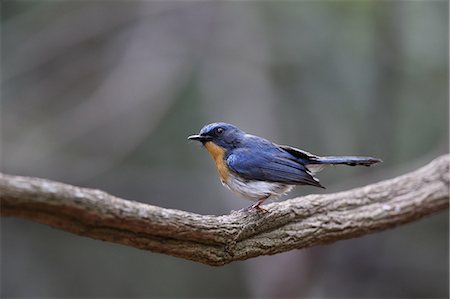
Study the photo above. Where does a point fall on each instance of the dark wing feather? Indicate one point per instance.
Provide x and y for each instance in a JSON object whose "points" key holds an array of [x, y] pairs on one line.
{"points": [[264, 166], [304, 156]]}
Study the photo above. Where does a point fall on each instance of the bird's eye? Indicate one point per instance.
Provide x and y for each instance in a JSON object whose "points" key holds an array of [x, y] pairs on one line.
{"points": [[219, 131]]}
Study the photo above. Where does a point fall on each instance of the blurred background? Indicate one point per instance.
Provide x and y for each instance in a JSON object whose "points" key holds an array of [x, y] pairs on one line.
{"points": [[103, 94]]}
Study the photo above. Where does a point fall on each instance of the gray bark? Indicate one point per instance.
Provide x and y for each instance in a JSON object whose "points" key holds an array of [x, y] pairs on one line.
{"points": [[217, 240]]}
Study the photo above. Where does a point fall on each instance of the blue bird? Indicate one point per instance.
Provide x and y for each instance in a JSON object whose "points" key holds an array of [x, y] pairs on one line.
{"points": [[257, 169]]}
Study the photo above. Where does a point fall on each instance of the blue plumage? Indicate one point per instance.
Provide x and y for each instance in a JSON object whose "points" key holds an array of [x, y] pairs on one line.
{"points": [[267, 166], [258, 169]]}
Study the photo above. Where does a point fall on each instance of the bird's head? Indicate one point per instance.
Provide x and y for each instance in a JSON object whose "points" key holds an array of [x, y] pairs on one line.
{"points": [[224, 135]]}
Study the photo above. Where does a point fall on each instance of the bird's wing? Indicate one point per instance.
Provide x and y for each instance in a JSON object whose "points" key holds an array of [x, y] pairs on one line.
{"points": [[265, 166], [312, 162], [304, 156]]}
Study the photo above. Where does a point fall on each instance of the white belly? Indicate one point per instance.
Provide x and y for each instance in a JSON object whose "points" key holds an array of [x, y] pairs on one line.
{"points": [[255, 190]]}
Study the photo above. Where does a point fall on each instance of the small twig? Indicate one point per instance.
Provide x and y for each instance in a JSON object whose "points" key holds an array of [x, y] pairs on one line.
{"points": [[218, 240]]}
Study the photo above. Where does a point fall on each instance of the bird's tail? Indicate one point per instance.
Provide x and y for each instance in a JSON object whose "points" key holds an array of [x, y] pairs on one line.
{"points": [[319, 163], [348, 160]]}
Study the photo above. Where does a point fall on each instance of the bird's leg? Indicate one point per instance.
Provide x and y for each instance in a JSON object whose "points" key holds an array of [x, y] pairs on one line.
{"points": [[257, 206]]}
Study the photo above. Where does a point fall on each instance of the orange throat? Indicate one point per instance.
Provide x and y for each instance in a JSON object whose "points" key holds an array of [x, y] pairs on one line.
{"points": [[218, 153]]}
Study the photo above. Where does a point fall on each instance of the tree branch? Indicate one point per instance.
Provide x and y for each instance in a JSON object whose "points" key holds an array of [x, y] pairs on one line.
{"points": [[218, 240]]}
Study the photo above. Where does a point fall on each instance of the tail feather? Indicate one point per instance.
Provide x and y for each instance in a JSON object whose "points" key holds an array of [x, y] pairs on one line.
{"points": [[348, 160]]}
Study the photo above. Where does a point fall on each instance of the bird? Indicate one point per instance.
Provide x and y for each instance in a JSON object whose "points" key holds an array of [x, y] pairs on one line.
{"points": [[258, 169]]}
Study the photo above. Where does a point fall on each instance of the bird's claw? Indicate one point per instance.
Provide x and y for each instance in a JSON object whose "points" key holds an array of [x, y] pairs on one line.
{"points": [[256, 206]]}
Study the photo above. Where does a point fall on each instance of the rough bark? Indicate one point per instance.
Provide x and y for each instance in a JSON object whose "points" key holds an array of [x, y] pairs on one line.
{"points": [[218, 240]]}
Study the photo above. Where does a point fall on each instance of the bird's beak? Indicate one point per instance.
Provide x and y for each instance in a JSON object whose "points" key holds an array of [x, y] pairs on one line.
{"points": [[201, 138]]}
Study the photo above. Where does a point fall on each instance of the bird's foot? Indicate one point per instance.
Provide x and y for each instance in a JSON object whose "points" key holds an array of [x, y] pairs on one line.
{"points": [[256, 206]]}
